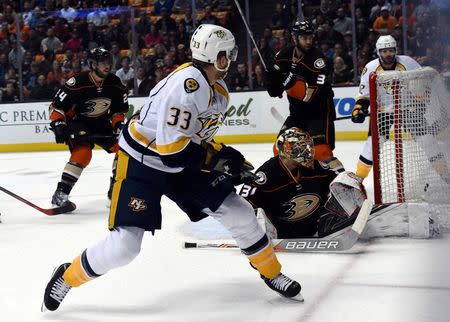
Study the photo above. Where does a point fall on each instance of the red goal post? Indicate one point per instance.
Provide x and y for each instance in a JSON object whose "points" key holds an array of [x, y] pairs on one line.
{"points": [[410, 127]]}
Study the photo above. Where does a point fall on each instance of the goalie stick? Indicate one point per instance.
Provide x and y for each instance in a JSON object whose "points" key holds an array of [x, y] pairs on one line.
{"points": [[339, 241], [49, 212]]}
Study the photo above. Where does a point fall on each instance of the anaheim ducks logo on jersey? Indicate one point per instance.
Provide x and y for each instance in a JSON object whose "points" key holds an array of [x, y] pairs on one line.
{"points": [[96, 107], [301, 206], [210, 123]]}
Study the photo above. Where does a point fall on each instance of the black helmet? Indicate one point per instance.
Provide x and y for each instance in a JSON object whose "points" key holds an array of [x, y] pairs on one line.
{"points": [[302, 28], [97, 55]]}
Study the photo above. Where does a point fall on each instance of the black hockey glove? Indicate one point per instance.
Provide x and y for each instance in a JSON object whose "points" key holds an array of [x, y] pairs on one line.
{"points": [[61, 131], [229, 161], [359, 113], [275, 80], [118, 129]]}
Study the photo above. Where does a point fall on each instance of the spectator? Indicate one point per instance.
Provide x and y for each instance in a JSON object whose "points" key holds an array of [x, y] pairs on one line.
{"points": [[143, 24], [182, 5], [15, 56], [385, 23], [126, 72], [115, 54], [98, 16], [188, 21], [153, 37], [37, 18], [24, 30], [181, 55], [46, 65], [10, 93], [282, 42], [143, 83], [425, 7], [74, 43], [31, 80], [326, 49], [342, 23], [419, 42], [182, 34], [340, 51], [332, 36], [270, 39], [259, 78], [55, 74], [68, 12], [165, 23], [325, 10], [209, 18], [62, 30], [51, 42], [41, 91], [27, 12], [169, 64], [280, 19], [161, 5], [341, 73], [4, 65], [240, 80], [430, 59], [91, 38], [375, 10]]}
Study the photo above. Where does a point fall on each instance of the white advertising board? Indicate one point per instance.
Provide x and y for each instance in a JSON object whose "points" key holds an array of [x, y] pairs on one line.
{"points": [[25, 126]]}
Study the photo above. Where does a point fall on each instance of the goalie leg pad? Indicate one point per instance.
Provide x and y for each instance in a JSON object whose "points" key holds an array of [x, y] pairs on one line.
{"points": [[401, 220]]}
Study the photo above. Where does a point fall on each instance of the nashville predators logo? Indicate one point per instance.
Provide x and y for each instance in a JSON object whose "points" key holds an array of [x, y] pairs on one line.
{"points": [[96, 107], [301, 207], [210, 123], [191, 85], [220, 34], [137, 204]]}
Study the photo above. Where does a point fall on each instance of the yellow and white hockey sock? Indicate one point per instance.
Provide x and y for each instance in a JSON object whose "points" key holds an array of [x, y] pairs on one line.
{"points": [[79, 272], [363, 169], [266, 262]]}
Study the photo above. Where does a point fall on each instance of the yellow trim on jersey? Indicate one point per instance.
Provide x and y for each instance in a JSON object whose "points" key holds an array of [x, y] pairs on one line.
{"points": [[174, 147], [137, 136], [362, 98], [221, 90], [121, 174], [183, 66], [398, 66]]}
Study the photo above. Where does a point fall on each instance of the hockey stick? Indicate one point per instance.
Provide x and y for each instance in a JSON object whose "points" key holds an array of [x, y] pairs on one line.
{"points": [[250, 34], [339, 241], [49, 212]]}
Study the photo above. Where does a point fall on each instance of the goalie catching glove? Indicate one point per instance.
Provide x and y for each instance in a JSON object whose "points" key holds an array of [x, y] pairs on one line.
{"points": [[229, 161]]}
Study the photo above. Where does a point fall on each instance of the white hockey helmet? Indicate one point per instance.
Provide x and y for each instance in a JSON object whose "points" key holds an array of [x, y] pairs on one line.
{"points": [[384, 42], [208, 41]]}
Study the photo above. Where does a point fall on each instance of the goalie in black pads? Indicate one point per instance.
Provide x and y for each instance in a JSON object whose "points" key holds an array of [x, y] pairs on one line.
{"points": [[89, 109], [298, 197], [292, 190]]}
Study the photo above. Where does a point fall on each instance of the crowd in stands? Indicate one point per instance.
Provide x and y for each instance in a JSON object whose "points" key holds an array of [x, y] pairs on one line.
{"points": [[428, 30], [150, 41]]}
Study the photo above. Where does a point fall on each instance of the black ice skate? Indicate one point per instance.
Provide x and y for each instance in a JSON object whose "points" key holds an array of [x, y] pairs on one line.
{"points": [[285, 286], [60, 199], [56, 289]]}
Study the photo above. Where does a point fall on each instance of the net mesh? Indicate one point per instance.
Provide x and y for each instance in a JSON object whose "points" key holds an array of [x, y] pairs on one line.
{"points": [[413, 139]]}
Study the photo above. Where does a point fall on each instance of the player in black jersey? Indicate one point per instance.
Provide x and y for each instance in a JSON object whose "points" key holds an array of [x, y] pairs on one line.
{"points": [[89, 109], [303, 72], [292, 189]]}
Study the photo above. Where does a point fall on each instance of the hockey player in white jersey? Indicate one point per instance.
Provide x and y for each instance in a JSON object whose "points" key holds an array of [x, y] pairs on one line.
{"points": [[168, 149], [388, 59]]}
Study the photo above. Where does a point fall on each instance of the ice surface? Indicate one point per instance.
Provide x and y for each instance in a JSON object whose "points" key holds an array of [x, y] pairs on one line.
{"points": [[385, 280]]}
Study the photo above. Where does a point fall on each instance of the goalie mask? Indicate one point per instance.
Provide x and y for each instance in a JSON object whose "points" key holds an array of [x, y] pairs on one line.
{"points": [[209, 40], [297, 145]]}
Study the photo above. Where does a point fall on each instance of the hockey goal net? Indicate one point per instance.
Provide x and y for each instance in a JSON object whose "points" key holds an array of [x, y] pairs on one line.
{"points": [[410, 125]]}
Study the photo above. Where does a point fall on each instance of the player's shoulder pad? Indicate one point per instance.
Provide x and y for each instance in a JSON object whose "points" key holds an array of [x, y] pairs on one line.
{"points": [[191, 85], [410, 62], [269, 174], [317, 59], [114, 80], [78, 80], [371, 66]]}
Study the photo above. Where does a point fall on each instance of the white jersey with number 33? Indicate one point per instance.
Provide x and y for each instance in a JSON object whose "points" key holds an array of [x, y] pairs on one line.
{"points": [[181, 108]]}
